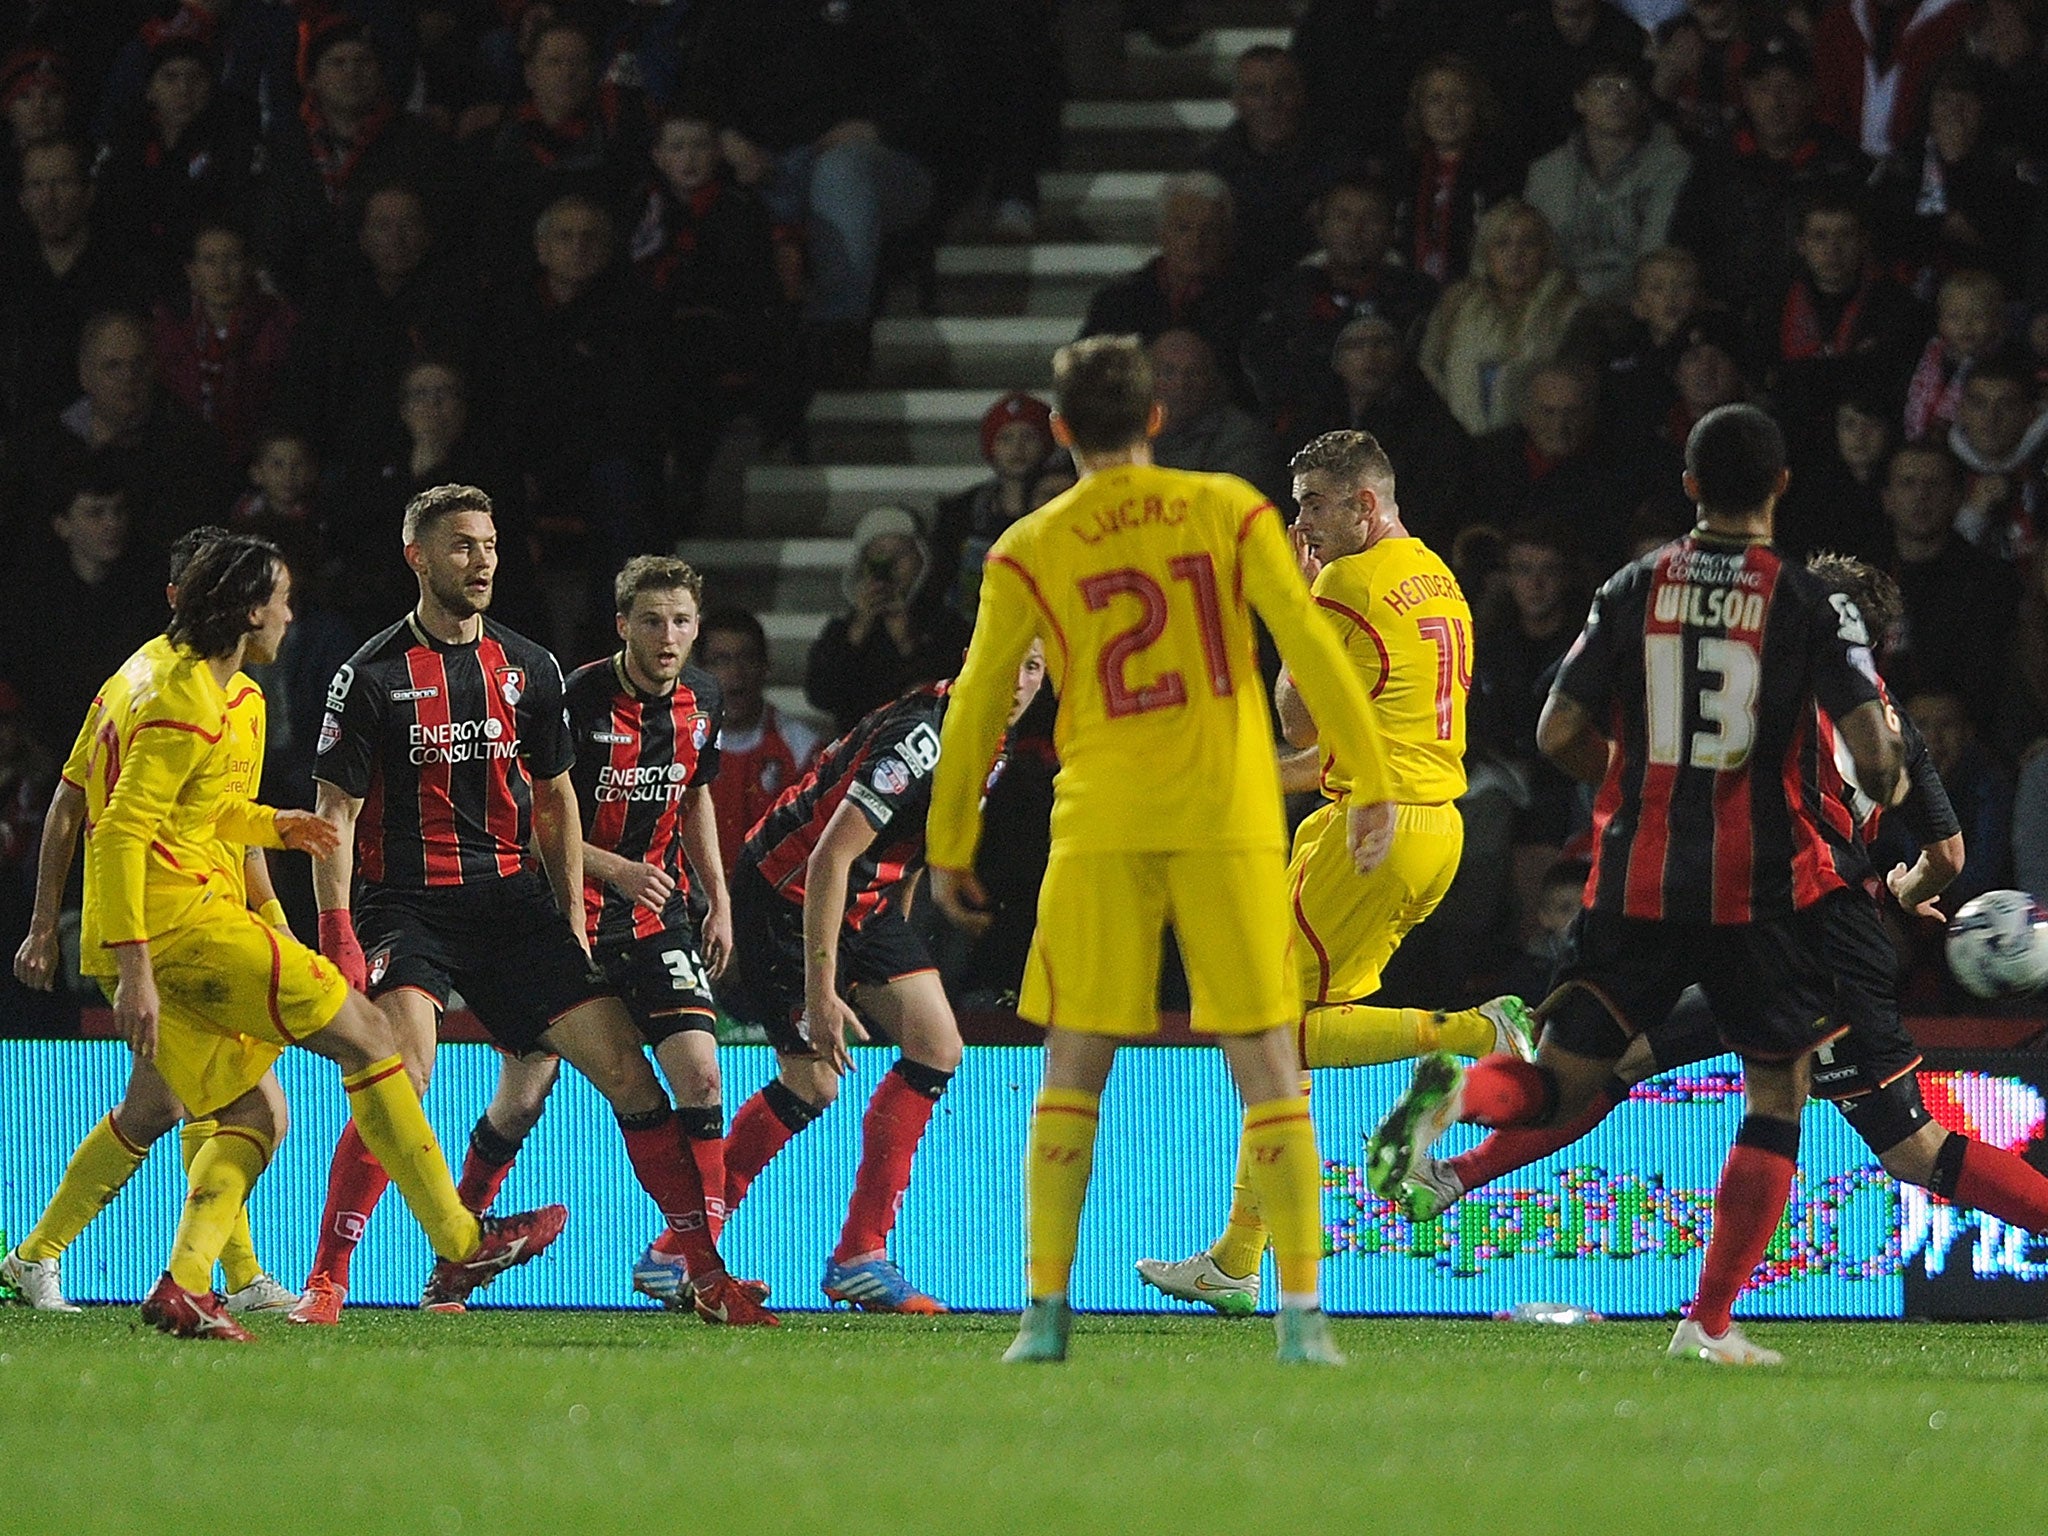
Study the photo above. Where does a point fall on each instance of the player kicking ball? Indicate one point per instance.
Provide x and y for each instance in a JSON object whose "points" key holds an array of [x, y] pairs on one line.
{"points": [[202, 987], [1141, 583], [115, 1148], [821, 899], [1407, 634]]}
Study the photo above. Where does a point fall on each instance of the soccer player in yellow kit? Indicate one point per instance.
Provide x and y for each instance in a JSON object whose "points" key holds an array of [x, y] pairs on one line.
{"points": [[204, 988], [1142, 582], [1407, 632], [115, 1148]]}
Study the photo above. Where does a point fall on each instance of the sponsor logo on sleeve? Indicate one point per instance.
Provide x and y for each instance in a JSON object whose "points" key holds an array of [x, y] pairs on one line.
{"points": [[411, 695], [337, 691]]}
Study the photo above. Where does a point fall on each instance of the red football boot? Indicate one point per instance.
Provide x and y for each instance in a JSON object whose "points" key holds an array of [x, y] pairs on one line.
{"points": [[735, 1303], [172, 1309], [508, 1241]]}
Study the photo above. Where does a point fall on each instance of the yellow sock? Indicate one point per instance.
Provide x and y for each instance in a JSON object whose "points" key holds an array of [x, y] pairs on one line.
{"points": [[1243, 1242], [217, 1186], [104, 1162], [1056, 1173], [1359, 1034], [393, 1126], [1287, 1176], [238, 1256]]}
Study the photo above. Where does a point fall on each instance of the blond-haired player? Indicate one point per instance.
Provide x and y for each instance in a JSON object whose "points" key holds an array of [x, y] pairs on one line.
{"points": [[1407, 633], [1142, 582], [205, 988]]}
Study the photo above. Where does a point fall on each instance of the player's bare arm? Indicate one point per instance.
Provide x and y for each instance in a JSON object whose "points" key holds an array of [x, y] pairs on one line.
{"points": [[35, 962], [1917, 888], [700, 847], [1300, 771], [1567, 736], [643, 884], [846, 837], [558, 834], [1297, 725]]}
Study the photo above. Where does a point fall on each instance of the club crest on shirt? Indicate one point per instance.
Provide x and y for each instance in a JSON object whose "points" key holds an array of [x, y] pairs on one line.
{"points": [[379, 964], [700, 730], [511, 684]]}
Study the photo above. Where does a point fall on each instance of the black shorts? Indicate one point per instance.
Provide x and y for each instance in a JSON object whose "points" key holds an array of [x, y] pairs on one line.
{"points": [[1767, 982], [663, 982], [1874, 1050], [503, 945], [768, 947]]}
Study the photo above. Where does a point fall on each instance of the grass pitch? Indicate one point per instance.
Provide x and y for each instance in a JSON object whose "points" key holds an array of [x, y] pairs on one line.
{"points": [[507, 1421]]}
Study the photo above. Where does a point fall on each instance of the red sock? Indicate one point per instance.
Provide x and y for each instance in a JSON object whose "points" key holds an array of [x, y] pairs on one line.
{"points": [[1518, 1146], [1755, 1182], [355, 1182], [889, 1134], [668, 1175], [757, 1134], [1505, 1090], [2009, 1187], [708, 1153], [480, 1181]]}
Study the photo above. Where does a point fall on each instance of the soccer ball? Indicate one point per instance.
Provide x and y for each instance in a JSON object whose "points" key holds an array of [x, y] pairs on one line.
{"points": [[1998, 944]]}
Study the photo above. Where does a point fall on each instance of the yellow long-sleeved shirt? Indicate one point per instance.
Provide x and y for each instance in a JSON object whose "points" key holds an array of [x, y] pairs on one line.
{"points": [[1142, 583], [166, 758], [1403, 621]]}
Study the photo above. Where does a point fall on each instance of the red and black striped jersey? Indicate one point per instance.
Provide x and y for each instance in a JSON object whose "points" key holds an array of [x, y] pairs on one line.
{"points": [[637, 756], [441, 743], [1704, 663], [884, 766]]}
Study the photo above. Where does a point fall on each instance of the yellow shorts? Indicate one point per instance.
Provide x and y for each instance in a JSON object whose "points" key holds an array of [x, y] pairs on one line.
{"points": [[1347, 925], [1094, 963], [233, 992]]}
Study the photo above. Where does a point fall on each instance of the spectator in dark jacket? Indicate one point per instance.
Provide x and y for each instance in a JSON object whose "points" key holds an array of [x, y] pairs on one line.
{"points": [[1204, 430], [1837, 497], [1738, 212], [1542, 54], [1287, 353], [347, 139], [1192, 284], [1358, 58], [1557, 465], [223, 352], [1275, 165], [825, 110], [1452, 169], [70, 265], [897, 630]]}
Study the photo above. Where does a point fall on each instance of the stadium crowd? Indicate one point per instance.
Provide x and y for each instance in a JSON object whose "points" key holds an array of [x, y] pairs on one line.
{"points": [[281, 266]]}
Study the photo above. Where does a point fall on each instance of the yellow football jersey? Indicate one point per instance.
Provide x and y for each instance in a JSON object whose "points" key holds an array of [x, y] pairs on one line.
{"points": [[1407, 630], [167, 767], [1142, 582]]}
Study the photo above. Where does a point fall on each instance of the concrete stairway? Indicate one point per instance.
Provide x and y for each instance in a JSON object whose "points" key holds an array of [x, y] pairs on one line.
{"points": [[913, 436]]}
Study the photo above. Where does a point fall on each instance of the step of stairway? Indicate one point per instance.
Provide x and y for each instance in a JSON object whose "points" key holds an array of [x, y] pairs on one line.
{"points": [[1110, 135], [1119, 206], [1204, 67], [1045, 279], [995, 352], [901, 426], [764, 575], [785, 500]]}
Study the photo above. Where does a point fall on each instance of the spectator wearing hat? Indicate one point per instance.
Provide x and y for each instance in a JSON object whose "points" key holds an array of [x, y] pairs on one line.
{"points": [[828, 112], [1275, 164], [1738, 209], [347, 139], [1453, 167], [35, 99], [1610, 189], [223, 352], [1952, 197], [1016, 440], [1375, 387], [707, 249], [70, 266], [1204, 430], [897, 631], [188, 151], [1353, 273], [1193, 284], [1541, 58], [1873, 60]]}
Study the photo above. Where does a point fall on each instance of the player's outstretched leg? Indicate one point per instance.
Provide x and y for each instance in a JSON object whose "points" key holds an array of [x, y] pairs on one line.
{"points": [[1365, 1034], [524, 1083]]}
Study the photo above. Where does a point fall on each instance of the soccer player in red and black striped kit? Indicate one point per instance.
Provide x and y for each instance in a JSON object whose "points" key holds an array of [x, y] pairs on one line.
{"points": [[820, 897], [444, 752], [644, 723], [1689, 698]]}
